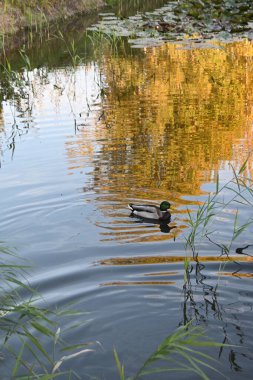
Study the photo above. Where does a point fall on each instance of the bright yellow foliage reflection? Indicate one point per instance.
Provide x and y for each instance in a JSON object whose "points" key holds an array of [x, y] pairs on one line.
{"points": [[171, 118]]}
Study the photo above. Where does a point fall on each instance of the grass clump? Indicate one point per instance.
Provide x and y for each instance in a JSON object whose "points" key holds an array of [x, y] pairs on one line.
{"points": [[27, 329], [178, 353], [37, 16], [239, 191]]}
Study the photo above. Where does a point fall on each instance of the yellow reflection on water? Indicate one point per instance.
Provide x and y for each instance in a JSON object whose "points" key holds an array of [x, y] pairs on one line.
{"points": [[236, 274], [152, 260], [178, 115], [171, 118], [161, 274], [145, 260]]}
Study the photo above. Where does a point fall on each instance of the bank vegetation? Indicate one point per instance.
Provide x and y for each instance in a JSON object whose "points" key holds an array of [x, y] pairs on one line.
{"points": [[16, 15]]}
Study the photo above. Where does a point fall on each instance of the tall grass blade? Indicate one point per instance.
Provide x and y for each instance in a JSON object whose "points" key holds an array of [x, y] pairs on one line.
{"points": [[243, 167], [236, 178], [176, 349], [217, 183], [64, 358], [119, 365], [18, 361], [42, 329], [57, 335], [38, 345]]}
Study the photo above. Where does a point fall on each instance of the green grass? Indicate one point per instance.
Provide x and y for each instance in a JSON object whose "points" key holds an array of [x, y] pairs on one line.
{"points": [[27, 329], [22, 4], [182, 351], [201, 223]]}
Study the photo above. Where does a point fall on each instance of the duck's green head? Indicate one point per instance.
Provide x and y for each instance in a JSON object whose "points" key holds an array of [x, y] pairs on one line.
{"points": [[164, 206]]}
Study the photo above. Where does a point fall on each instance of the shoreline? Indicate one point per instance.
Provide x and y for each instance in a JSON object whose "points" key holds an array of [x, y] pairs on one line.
{"points": [[14, 19]]}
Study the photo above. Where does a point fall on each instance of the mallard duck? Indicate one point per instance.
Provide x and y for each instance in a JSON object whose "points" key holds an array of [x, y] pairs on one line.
{"points": [[160, 214]]}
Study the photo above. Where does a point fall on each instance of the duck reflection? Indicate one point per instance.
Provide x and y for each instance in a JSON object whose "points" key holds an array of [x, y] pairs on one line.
{"points": [[163, 225]]}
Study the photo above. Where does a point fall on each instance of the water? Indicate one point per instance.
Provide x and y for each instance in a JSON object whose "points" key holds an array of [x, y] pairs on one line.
{"points": [[79, 143]]}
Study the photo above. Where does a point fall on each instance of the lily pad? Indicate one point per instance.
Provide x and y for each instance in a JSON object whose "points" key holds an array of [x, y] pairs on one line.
{"points": [[222, 19], [145, 42], [106, 14]]}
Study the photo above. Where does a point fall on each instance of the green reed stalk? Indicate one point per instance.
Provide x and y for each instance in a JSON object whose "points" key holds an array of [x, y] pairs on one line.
{"points": [[24, 326], [200, 222], [178, 353], [71, 49]]}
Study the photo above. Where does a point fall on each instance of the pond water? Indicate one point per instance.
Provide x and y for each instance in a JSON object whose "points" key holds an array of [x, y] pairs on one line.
{"points": [[78, 143]]}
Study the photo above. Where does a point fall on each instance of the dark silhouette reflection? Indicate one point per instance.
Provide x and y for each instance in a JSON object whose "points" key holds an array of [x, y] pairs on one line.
{"points": [[18, 88], [240, 250], [195, 282], [164, 225], [225, 250], [165, 228], [232, 360], [204, 300]]}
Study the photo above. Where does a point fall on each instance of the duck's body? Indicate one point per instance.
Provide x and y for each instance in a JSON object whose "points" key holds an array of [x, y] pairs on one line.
{"points": [[153, 212]]}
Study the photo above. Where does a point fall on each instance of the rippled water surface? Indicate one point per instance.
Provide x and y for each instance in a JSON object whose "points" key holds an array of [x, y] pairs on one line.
{"points": [[79, 143]]}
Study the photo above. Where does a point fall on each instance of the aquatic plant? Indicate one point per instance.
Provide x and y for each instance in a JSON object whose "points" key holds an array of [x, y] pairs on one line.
{"points": [[71, 49], [240, 190], [15, 82], [198, 20], [102, 41], [178, 353], [26, 328]]}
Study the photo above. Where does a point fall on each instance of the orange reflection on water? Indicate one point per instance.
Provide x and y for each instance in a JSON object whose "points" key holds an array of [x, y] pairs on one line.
{"points": [[145, 260], [169, 120], [176, 114], [236, 274], [161, 274]]}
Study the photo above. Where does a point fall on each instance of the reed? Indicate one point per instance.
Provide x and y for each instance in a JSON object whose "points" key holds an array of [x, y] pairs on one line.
{"points": [[178, 353], [200, 224], [71, 49], [102, 41], [26, 329], [38, 15]]}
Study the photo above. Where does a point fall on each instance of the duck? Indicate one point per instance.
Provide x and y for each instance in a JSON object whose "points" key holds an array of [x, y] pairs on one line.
{"points": [[145, 211]]}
